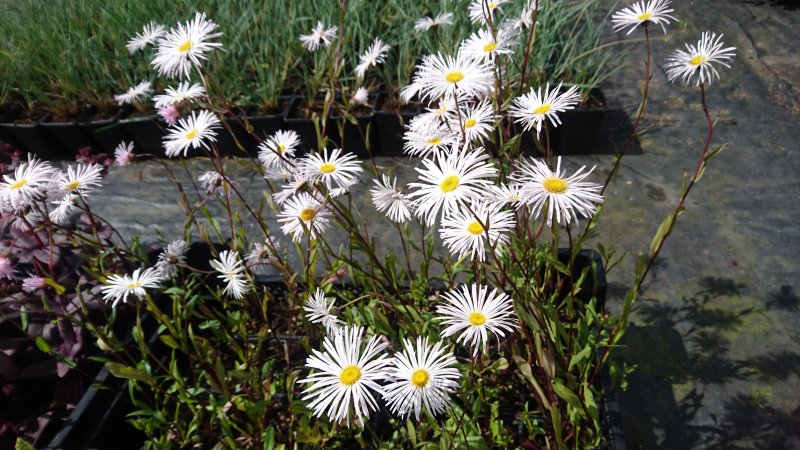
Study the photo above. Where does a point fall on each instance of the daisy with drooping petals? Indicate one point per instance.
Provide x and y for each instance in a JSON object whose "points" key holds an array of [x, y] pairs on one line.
{"points": [[302, 213], [150, 33], [171, 257], [449, 181], [504, 194], [123, 154], [481, 10], [345, 381], [278, 147], [232, 272], [134, 94], [192, 132], [421, 375], [28, 182], [375, 54], [80, 180], [319, 37], [473, 312], [64, 206], [427, 137], [564, 197], [442, 74], [643, 13], [184, 91], [262, 255], [338, 168], [170, 114], [525, 19], [390, 200], [118, 287], [318, 310], [361, 97], [185, 46], [465, 231], [426, 23], [534, 107], [478, 121], [281, 171], [698, 60], [481, 45]]}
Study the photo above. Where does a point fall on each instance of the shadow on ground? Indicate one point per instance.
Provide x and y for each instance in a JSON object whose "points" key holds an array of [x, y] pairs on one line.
{"points": [[680, 353]]}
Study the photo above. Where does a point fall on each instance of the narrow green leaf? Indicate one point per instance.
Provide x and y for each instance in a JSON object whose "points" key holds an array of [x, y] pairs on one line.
{"points": [[130, 373], [42, 344]]}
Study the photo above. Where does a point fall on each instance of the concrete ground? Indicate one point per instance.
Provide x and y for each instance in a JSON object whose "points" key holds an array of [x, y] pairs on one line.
{"points": [[716, 332]]}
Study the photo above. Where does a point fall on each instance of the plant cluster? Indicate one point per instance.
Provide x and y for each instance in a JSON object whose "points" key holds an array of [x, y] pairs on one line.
{"points": [[482, 330]]}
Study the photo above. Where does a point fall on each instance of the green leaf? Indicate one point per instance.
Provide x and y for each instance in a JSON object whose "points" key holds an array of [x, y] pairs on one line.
{"points": [[664, 229], [130, 373], [170, 341], [269, 438], [22, 444], [580, 356], [52, 283], [42, 344], [570, 397]]}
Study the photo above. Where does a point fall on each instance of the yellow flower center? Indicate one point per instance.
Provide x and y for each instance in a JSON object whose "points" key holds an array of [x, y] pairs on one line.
{"points": [[477, 318], [454, 76], [19, 184], [434, 141], [420, 378], [72, 186], [697, 60], [350, 375], [281, 148], [543, 109], [450, 183], [490, 47], [644, 16], [491, 5], [327, 167], [185, 47], [475, 228], [192, 134], [133, 285], [307, 214], [470, 123], [555, 185]]}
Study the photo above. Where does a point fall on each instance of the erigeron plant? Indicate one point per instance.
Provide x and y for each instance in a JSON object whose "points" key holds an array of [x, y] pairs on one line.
{"points": [[407, 357]]}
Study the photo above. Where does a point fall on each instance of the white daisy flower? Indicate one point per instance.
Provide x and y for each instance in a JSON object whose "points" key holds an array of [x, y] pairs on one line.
{"points": [[118, 287], [80, 180], [345, 381], [262, 255], [176, 95], [504, 194], [390, 200], [534, 107], [64, 206], [338, 168], [123, 154], [463, 233], [302, 213], [171, 257], [278, 147], [481, 45], [134, 94], [525, 18], [281, 171], [150, 33], [421, 376], [698, 60], [192, 132], [473, 312], [564, 197], [361, 97], [426, 137], [478, 121], [28, 183], [442, 74], [214, 183], [319, 37], [643, 13], [318, 310], [185, 46], [481, 10], [232, 272], [449, 181], [375, 54], [297, 182], [426, 23]]}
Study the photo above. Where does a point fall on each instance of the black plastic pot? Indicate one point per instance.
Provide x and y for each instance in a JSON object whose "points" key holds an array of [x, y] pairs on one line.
{"points": [[147, 133], [389, 124], [305, 127], [107, 132], [8, 112], [70, 136], [34, 138]]}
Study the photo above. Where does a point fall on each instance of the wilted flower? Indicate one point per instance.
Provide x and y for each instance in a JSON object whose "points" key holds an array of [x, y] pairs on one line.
{"points": [[232, 272], [320, 36], [151, 32], [374, 55], [426, 23], [136, 93]]}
